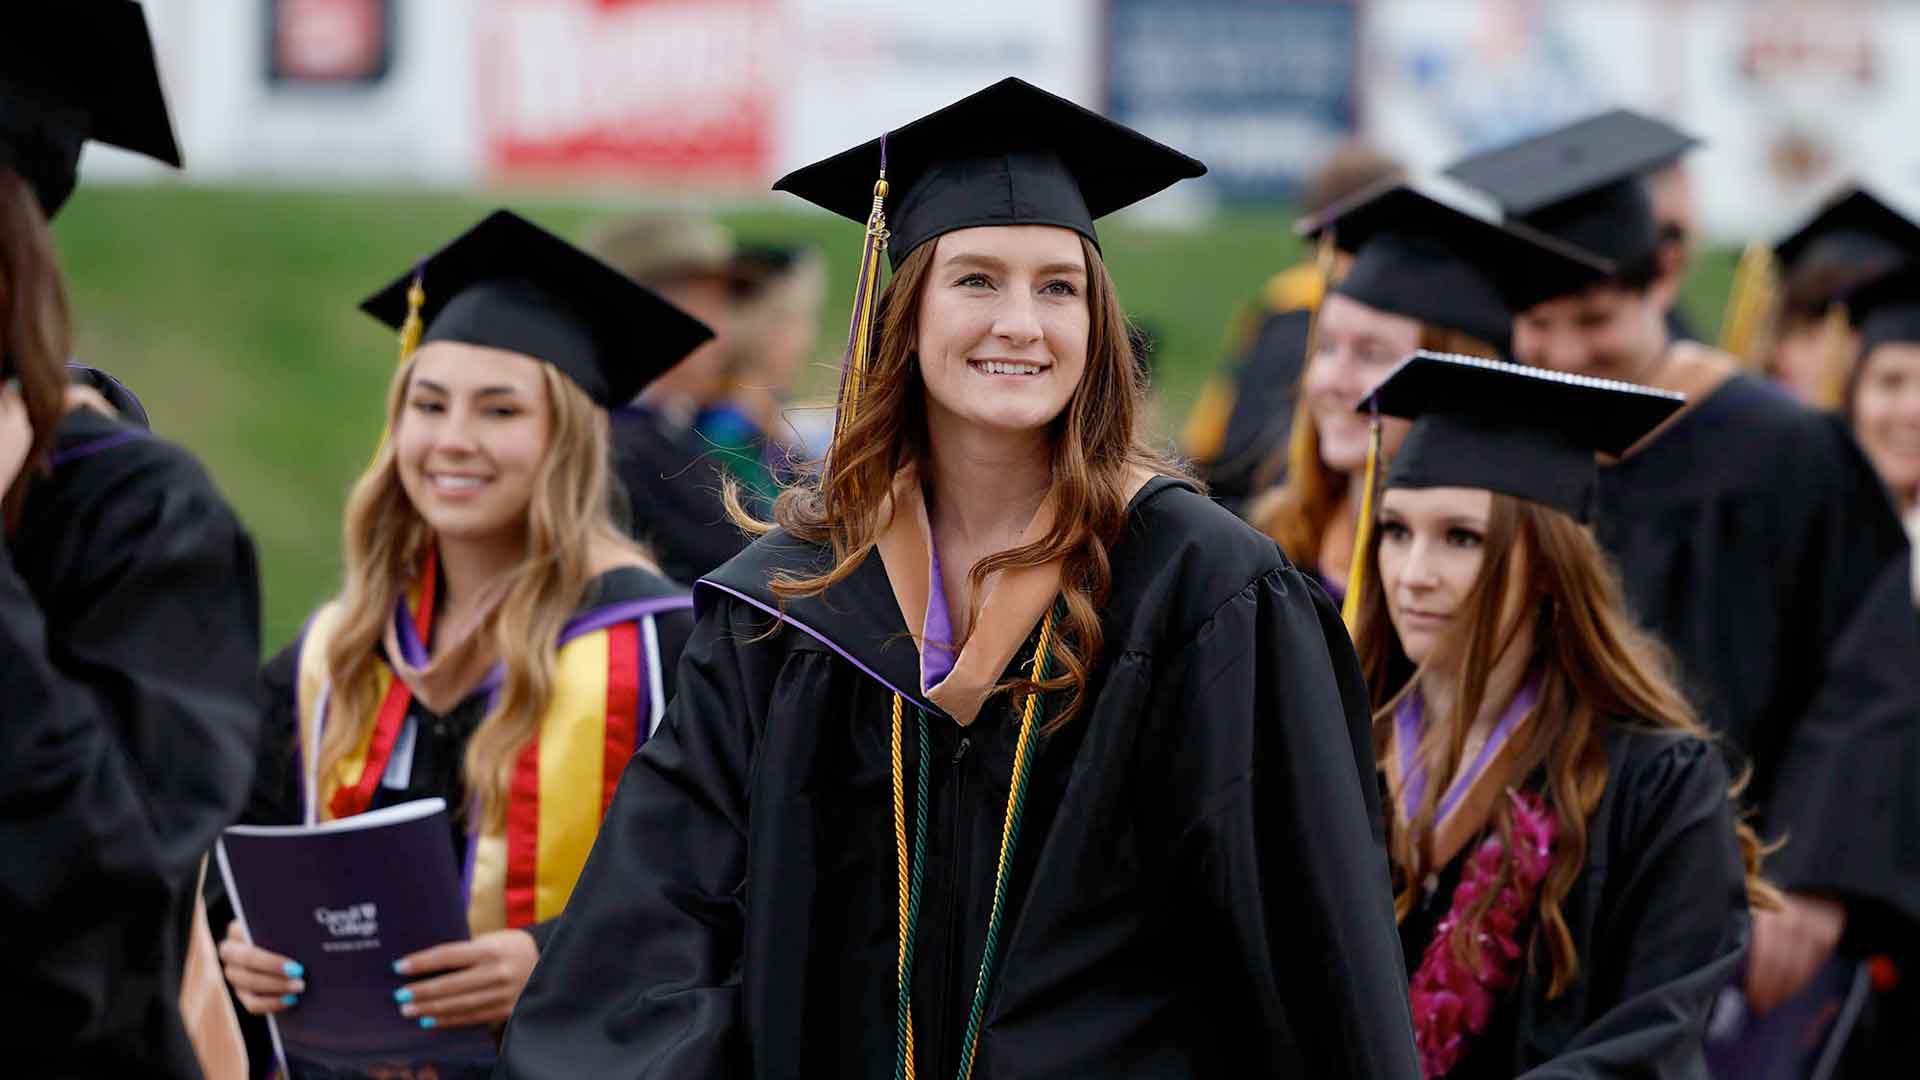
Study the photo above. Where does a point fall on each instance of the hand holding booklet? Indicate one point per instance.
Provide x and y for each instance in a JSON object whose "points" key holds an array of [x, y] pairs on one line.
{"points": [[346, 899]]}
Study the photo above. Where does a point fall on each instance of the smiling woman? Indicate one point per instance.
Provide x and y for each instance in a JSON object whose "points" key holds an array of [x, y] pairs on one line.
{"points": [[1006, 753], [499, 643]]}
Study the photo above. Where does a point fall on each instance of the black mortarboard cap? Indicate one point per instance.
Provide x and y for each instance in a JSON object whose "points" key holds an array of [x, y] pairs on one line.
{"points": [[73, 70], [508, 284], [1523, 431], [1430, 251], [1584, 182], [1886, 309], [1012, 154], [1877, 234]]}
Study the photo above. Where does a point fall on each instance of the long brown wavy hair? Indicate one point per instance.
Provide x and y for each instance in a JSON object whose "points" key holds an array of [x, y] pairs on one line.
{"points": [[1097, 442], [1594, 667], [568, 520], [1297, 510], [35, 327]]}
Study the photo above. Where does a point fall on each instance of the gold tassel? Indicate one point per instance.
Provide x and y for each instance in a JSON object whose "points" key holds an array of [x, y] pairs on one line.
{"points": [[1750, 305], [1837, 349], [413, 327], [1363, 535]]}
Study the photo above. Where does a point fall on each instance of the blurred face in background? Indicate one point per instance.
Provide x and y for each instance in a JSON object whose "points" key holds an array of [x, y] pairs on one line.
{"points": [[1607, 332], [1674, 211], [1886, 417], [1805, 353], [472, 434], [1003, 326], [1355, 348], [703, 377]]}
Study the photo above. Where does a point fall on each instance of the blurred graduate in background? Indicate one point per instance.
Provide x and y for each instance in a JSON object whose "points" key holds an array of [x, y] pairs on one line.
{"points": [[129, 622], [1237, 431], [673, 475], [1425, 273]]}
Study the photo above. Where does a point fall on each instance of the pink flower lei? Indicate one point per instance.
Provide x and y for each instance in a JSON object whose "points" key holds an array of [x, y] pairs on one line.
{"points": [[1451, 1004]]}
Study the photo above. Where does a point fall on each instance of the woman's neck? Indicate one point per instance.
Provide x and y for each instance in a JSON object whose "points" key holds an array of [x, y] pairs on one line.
{"points": [[985, 487], [468, 567], [1441, 693]]}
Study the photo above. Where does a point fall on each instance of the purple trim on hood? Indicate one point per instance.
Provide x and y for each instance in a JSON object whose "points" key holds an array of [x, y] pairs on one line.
{"points": [[817, 636], [97, 446], [599, 619]]}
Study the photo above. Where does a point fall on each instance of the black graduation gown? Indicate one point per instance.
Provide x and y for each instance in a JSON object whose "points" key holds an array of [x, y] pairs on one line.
{"points": [[1659, 917], [439, 750], [1200, 887], [1750, 536], [129, 633], [1266, 383], [673, 484]]}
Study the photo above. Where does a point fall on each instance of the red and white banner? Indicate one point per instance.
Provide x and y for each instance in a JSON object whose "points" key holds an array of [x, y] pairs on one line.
{"points": [[647, 91]]}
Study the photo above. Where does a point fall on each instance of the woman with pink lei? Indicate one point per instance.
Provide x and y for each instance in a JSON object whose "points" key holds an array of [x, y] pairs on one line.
{"points": [[1571, 881]]}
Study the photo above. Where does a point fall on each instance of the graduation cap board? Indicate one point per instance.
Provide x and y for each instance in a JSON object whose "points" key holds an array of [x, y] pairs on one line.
{"points": [[1011, 154], [1857, 225], [1584, 182], [73, 70], [508, 284], [1527, 432], [1433, 251]]}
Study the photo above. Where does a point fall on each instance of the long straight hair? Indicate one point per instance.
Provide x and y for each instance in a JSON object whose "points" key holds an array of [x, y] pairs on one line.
{"points": [[1594, 666], [1097, 443], [35, 328], [386, 545]]}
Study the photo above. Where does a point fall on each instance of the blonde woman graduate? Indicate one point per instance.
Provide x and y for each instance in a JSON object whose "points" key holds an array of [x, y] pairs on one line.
{"points": [[1006, 753], [1572, 881], [498, 643]]}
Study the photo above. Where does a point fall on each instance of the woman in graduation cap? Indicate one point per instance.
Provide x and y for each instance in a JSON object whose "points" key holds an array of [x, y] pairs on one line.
{"points": [[1007, 753], [1751, 536], [498, 643], [129, 612], [1430, 270], [1572, 883]]}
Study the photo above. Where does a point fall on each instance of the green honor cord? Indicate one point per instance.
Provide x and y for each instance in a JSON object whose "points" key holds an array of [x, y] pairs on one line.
{"points": [[909, 875]]}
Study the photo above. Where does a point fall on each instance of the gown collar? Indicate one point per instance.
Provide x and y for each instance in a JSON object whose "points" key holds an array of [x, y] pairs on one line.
{"points": [[876, 618], [1470, 798]]}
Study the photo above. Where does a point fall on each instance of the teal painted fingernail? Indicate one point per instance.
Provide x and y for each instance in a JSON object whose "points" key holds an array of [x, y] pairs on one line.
{"points": [[293, 969], [399, 967], [290, 999], [403, 995], [426, 1021]]}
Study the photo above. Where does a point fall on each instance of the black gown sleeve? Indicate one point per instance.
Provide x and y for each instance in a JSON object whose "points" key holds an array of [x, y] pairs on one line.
{"points": [[126, 672], [662, 894], [1672, 926], [1848, 795], [1272, 765]]}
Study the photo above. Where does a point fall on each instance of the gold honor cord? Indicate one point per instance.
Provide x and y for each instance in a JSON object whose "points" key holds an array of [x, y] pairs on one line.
{"points": [[1363, 536], [909, 875]]}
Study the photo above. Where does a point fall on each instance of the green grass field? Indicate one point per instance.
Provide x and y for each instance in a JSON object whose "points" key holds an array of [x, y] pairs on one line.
{"points": [[232, 313]]}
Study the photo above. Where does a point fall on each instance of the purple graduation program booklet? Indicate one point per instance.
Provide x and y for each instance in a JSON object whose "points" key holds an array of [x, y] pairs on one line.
{"points": [[346, 899]]}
